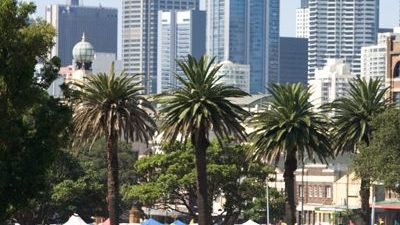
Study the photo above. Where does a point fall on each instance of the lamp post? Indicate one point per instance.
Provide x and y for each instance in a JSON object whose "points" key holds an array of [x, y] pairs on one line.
{"points": [[302, 190], [373, 205], [267, 201]]}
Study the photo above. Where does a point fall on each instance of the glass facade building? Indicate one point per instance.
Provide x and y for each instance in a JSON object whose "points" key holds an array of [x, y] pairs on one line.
{"points": [[140, 36], [179, 33], [246, 32], [293, 60], [99, 24]]}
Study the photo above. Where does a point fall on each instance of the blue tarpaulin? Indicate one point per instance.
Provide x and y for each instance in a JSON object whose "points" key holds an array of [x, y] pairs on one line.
{"points": [[178, 222], [151, 221]]}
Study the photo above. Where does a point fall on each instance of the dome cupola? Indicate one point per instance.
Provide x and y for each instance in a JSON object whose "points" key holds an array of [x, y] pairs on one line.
{"points": [[83, 54]]}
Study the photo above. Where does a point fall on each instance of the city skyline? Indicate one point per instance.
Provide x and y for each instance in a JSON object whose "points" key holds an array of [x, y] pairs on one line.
{"points": [[388, 19]]}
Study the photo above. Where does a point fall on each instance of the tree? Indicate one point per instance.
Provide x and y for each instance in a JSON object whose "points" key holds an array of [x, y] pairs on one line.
{"points": [[257, 210], [199, 106], [352, 125], [290, 127], [380, 160], [169, 179], [33, 125], [77, 182], [111, 106]]}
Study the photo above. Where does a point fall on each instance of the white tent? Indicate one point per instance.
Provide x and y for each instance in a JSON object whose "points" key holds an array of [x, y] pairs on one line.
{"points": [[250, 222], [75, 220]]}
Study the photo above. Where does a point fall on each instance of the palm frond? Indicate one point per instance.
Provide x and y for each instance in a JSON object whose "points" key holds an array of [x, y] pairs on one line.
{"points": [[201, 103], [289, 125], [112, 104], [353, 114]]}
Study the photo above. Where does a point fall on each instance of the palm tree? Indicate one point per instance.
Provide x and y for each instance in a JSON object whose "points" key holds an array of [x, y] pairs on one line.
{"points": [[199, 106], [111, 106], [352, 125], [289, 127]]}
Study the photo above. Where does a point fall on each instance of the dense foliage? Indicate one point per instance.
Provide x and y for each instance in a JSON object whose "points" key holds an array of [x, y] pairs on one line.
{"points": [[33, 125], [380, 160], [169, 179], [76, 182]]}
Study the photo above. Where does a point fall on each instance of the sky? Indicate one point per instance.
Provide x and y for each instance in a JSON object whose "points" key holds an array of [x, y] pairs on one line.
{"points": [[389, 12]]}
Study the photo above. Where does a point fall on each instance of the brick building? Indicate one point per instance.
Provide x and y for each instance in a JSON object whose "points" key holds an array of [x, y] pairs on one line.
{"points": [[393, 67]]}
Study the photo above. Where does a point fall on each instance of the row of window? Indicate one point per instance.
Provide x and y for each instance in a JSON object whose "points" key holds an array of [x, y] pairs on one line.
{"points": [[316, 191]]}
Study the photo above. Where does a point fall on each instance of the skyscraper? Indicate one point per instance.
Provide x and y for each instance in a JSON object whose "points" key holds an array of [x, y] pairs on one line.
{"points": [[338, 29], [246, 32], [373, 59], [303, 22], [140, 35], [331, 82], [179, 33], [293, 60], [99, 24], [304, 3]]}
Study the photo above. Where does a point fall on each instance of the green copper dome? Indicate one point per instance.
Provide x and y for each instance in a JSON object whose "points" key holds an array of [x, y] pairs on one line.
{"points": [[83, 51]]}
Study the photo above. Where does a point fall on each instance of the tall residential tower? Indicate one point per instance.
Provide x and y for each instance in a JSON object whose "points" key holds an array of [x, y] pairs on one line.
{"points": [[338, 29], [246, 32], [140, 35]]}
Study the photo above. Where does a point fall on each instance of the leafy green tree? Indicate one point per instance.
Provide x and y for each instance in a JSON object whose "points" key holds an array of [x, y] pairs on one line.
{"points": [[110, 106], [289, 127], [199, 106], [169, 179], [352, 125], [257, 210], [380, 160], [77, 183], [33, 125]]}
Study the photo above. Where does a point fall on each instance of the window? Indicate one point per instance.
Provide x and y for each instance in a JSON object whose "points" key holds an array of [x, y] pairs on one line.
{"points": [[396, 97], [315, 191], [328, 191], [396, 72], [320, 192], [311, 191], [300, 191]]}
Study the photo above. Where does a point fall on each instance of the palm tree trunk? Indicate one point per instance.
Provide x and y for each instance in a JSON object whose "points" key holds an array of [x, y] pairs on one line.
{"points": [[112, 179], [288, 176], [201, 144], [364, 194]]}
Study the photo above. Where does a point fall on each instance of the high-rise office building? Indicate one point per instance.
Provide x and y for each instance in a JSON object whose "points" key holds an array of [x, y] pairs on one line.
{"points": [[237, 75], [302, 22], [338, 29], [331, 82], [140, 35], [304, 3], [99, 24], [246, 32], [373, 59], [293, 60], [179, 33]]}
